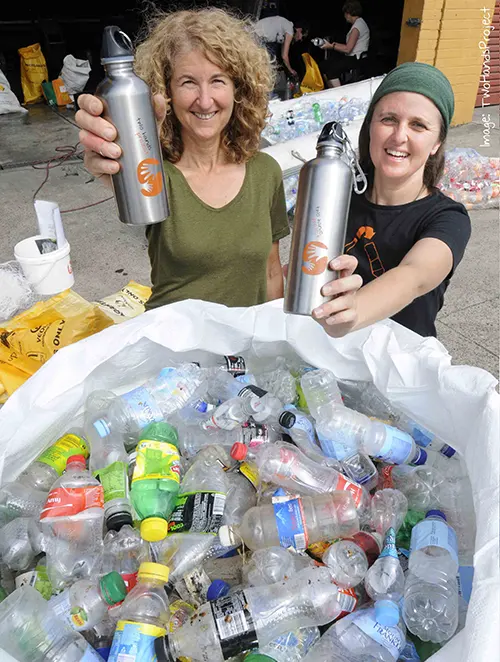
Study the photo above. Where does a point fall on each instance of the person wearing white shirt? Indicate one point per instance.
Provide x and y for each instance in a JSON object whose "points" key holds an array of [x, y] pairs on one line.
{"points": [[277, 34], [357, 42]]}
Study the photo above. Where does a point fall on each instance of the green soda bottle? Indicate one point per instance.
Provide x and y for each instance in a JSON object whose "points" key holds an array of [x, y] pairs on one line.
{"points": [[156, 478]]}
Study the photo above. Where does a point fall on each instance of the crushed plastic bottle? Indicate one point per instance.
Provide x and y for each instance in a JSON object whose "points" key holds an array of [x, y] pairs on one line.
{"points": [[20, 542]]}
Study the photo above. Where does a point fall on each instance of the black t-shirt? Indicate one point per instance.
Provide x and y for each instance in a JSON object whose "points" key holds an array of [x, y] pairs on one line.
{"points": [[380, 236]]}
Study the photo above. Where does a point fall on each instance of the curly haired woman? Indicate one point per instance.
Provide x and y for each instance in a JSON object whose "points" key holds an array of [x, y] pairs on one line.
{"points": [[211, 82]]}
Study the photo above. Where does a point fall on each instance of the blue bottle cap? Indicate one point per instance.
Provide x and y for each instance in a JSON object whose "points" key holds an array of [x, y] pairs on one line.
{"points": [[436, 513], [447, 451], [420, 457], [386, 613], [217, 589], [102, 428]]}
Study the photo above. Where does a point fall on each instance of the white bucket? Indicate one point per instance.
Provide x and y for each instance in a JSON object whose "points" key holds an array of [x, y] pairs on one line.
{"points": [[48, 274]]}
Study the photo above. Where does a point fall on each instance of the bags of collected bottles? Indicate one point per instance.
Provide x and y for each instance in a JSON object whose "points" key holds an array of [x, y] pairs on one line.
{"points": [[182, 364], [472, 179]]}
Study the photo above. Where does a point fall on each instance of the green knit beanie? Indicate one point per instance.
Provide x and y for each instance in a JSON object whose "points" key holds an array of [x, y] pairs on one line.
{"points": [[422, 79]]}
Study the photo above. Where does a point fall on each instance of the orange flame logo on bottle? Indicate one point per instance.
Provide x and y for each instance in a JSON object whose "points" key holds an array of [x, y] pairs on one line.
{"points": [[150, 176], [314, 258]]}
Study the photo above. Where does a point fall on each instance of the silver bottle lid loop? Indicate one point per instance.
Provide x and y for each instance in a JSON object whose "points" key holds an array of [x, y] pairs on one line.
{"points": [[334, 131]]}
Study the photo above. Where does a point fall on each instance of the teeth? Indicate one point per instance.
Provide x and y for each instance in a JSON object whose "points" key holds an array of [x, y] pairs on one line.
{"points": [[394, 153], [204, 116]]}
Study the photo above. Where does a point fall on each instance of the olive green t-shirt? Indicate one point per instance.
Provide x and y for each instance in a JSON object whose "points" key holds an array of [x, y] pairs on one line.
{"points": [[218, 255]]}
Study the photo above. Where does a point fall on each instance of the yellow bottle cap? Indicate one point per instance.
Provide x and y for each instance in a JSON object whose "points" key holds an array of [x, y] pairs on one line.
{"points": [[154, 529], [154, 571]]}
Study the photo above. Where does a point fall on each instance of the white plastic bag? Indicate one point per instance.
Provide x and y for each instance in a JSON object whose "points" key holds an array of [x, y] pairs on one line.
{"points": [[75, 74], [9, 103], [457, 402]]}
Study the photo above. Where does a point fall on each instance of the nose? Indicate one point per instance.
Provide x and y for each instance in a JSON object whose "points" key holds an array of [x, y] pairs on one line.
{"points": [[401, 132], [205, 100]]}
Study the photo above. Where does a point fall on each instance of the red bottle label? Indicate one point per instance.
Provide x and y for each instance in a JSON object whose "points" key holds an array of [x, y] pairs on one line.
{"points": [[66, 501]]}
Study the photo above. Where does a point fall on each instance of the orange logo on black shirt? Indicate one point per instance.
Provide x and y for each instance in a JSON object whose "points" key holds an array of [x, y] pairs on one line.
{"points": [[366, 233]]}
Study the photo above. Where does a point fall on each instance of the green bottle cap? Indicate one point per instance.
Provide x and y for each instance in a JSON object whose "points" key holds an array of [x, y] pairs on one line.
{"points": [[161, 431], [113, 588], [257, 657]]}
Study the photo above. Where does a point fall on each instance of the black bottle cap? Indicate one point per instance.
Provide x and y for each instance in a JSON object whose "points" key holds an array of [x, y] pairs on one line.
{"points": [[115, 44], [287, 419], [116, 521], [332, 133]]}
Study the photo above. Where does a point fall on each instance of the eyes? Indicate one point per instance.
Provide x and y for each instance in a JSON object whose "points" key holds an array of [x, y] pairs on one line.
{"points": [[188, 82], [390, 119]]}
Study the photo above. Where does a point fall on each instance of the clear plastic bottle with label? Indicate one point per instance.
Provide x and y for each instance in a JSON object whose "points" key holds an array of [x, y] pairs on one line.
{"points": [[431, 590], [20, 542], [256, 616], [361, 636], [286, 466], [156, 479], [72, 523], [84, 604], [385, 579], [42, 473], [292, 521], [201, 501], [144, 616], [157, 399], [109, 464], [30, 633]]}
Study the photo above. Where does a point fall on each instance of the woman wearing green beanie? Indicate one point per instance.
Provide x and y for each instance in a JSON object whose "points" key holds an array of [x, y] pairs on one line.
{"points": [[405, 238]]}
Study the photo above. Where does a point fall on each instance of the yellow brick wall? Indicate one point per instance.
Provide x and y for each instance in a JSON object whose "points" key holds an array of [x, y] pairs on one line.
{"points": [[448, 38]]}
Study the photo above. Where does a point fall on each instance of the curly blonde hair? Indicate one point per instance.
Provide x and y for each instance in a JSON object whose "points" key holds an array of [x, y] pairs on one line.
{"points": [[227, 41]]}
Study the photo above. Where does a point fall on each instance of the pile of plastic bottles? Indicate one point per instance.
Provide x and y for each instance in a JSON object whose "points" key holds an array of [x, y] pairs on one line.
{"points": [[257, 510], [309, 115], [472, 179]]}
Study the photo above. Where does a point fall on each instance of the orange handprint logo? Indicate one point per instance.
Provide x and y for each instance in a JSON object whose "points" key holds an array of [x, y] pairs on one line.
{"points": [[314, 258], [150, 176]]}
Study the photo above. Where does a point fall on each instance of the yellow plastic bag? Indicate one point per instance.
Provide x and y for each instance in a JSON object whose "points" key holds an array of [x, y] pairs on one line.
{"points": [[127, 303], [313, 80], [28, 340], [33, 72]]}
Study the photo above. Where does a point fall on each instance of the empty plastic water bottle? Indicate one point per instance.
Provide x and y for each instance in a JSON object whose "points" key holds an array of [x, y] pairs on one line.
{"points": [[385, 579], [361, 636], [290, 647], [156, 478], [273, 564], [72, 523], [109, 464], [292, 521], [157, 399], [42, 473], [388, 509], [347, 562], [420, 485], [144, 616], [30, 633], [286, 466], [87, 601], [255, 616], [20, 541], [18, 500], [431, 591], [321, 393], [231, 413], [123, 552]]}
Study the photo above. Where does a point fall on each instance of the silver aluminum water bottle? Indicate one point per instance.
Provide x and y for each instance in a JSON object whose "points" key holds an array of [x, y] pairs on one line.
{"points": [[320, 223], [139, 186]]}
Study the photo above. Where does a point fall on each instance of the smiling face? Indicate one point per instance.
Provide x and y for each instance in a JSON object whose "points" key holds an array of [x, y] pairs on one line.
{"points": [[404, 132], [202, 97]]}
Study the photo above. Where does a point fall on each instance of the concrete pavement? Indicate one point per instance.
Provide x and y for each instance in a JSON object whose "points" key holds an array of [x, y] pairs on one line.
{"points": [[106, 254]]}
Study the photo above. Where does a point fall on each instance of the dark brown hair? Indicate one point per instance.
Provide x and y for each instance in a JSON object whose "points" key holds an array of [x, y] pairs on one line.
{"points": [[434, 167], [353, 8]]}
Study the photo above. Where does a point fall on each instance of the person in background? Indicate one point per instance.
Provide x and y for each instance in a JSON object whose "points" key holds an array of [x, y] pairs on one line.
{"points": [[357, 42], [211, 80], [277, 34], [405, 238]]}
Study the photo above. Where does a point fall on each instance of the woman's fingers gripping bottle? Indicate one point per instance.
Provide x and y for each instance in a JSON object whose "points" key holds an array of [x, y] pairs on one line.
{"points": [[144, 616], [87, 601], [42, 473], [156, 479], [292, 521], [72, 522]]}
